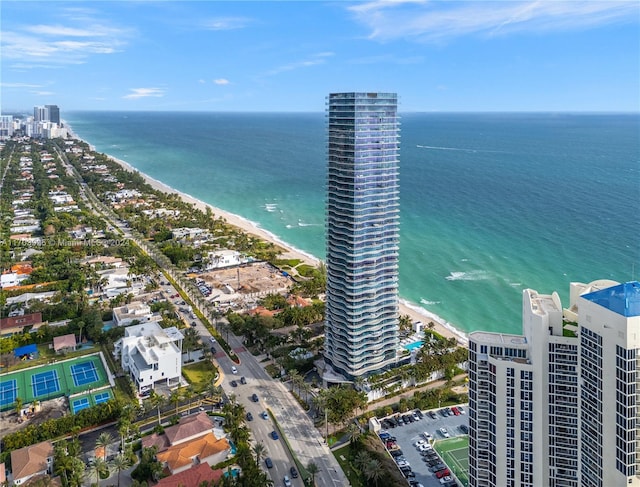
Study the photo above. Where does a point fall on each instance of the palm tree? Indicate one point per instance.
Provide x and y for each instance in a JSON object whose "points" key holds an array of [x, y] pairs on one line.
{"points": [[98, 467], [188, 394], [259, 450], [313, 470], [374, 471], [103, 441], [295, 377], [120, 463], [175, 398], [156, 400]]}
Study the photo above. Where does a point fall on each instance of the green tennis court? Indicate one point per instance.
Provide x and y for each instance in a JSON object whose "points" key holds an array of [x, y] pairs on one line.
{"points": [[455, 453], [49, 381]]}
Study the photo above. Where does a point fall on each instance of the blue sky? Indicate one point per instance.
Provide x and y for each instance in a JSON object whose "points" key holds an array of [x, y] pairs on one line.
{"points": [[287, 56]]}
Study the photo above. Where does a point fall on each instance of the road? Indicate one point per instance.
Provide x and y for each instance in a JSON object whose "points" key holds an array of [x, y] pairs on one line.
{"points": [[295, 424]]}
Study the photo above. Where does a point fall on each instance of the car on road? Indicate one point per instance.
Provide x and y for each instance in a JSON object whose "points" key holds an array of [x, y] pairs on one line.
{"points": [[212, 340], [264, 415], [444, 432], [287, 481], [243, 380], [234, 370], [249, 417], [268, 462], [274, 435], [213, 350], [294, 472], [193, 324], [254, 398], [234, 383]]}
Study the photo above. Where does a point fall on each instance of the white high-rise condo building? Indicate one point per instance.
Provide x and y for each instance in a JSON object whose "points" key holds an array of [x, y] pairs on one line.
{"points": [[559, 404], [361, 335]]}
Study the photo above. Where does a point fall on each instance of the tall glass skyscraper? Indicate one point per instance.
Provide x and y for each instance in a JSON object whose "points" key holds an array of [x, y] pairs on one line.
{"points": [[363, 216]]}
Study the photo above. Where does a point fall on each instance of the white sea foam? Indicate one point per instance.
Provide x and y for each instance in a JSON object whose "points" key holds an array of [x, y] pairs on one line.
{"points": [[477, 275], [461, 336], [428, 303]]}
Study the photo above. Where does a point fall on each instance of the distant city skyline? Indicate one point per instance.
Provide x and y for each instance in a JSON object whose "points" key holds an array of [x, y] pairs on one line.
{"points": [[285, 56]]}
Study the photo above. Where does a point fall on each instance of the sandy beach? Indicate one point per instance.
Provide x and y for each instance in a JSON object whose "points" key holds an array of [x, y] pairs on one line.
{"points": [[416, 313]]}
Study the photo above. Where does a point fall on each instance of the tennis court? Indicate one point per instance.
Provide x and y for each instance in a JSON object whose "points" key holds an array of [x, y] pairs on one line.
{"points": [[455, 453], [8, 393], [44, 382], [84, 373], [78, 403]]}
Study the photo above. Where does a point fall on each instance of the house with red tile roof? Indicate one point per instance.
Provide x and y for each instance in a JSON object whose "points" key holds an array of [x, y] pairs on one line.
{"points": [[30, 461], [17, 324], [192, 477], [64, 343]]}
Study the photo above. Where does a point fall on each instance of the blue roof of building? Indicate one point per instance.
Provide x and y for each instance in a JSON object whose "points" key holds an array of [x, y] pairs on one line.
{"points": [[25, 350], [623, 299]]}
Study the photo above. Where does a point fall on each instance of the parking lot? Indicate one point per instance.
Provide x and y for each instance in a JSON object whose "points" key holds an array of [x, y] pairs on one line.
{"points": [[407, 435]]}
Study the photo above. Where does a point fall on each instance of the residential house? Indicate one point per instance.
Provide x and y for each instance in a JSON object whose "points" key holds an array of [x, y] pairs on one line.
{"points": [[150, 353], [191, 442], [127, 314], [17, 324], [64, 343], [31, 461], [193, 476]]}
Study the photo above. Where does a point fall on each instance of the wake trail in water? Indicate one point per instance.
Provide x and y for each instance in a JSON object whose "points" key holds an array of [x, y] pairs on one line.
{"points": [[460, 149]]}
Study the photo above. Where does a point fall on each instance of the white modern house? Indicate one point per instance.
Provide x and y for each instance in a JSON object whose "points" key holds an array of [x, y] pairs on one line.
{"points": [[150, 353], [225, 258], [127, 314]]}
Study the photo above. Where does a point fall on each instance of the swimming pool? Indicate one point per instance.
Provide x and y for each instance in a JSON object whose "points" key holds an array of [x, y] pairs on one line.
{"points": [[411, 346]]}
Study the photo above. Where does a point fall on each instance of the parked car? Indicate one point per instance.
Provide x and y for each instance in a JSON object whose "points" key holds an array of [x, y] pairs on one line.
{"points": [[243, 380], [427, 436], [443, 473], [234, 383], [462, 411], [254, 397], [294, 472], [419, 413], [455, 411], [445, 480], [264, 415], [433, 415], [274, 435], [464, 428], [444, 432], [438, 466], [268, 462], [234, 370]]}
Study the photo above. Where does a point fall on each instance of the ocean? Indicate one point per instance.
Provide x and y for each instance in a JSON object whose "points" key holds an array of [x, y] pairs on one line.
{"points": [[491, 204]]}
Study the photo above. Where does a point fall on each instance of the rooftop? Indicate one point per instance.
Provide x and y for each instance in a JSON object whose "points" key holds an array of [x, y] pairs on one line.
{"points": [[623, 299]]}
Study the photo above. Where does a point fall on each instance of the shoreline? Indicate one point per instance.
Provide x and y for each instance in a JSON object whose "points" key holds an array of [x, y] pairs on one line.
{"points": [[416, 312]]}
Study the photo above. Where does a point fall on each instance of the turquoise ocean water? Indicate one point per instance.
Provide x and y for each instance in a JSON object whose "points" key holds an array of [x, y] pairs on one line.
{"points": [[491, 204]]}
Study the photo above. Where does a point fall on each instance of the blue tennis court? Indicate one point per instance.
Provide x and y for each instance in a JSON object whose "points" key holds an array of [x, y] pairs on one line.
{"points": [[8, 392], [45, 383], [102, 397], [80, 404], [84, 373]]}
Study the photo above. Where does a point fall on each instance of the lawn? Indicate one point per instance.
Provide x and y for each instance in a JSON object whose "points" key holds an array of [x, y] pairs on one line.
{"points": [[199, 374], [342, 455]]}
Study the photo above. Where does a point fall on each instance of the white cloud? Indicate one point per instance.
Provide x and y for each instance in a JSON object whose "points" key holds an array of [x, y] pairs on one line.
{"points": [[54, 45], [221, 81], [226, 23], [319, 58], [201, 81], [19, 85], [436, 21], [144, 93], [43, 93]]}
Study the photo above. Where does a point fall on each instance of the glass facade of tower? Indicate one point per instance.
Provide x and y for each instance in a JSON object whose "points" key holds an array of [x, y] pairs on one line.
{"points": [[361, 335]]}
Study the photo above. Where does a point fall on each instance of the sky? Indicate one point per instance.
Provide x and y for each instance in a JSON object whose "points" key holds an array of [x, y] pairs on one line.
{"points": [[283, 56]]}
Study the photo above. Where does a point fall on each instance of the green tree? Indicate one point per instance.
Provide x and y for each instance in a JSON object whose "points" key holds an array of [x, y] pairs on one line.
{"points": [[103, 441], [313, 470], [98, 468], [119, 463]]}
